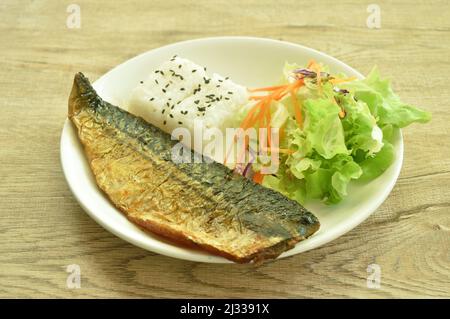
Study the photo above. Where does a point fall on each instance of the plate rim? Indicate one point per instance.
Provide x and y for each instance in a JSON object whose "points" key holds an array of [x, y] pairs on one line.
{"points": [[185, 253]]}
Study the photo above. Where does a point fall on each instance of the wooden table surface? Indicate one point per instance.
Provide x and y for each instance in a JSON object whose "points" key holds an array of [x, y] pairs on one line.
{"points": [[43, 229]]}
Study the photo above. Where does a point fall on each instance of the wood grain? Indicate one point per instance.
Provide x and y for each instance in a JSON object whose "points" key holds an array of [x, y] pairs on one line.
{"points": [[43, 229]]}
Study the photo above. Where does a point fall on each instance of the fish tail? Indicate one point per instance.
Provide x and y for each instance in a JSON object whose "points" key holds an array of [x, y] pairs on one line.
{"points": [[82, 95]]}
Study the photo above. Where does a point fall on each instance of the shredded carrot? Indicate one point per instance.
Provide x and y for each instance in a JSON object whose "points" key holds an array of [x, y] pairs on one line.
{"points": [[269, 141], [310, 63], [258, 177], [281, 132], [268, 88], [260, 97], [248, 119], [337, 80], [262, 117], [260, 111], [278, 150]]}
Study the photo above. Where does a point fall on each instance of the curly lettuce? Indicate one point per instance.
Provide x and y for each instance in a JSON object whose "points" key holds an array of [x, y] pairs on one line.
{"points": [[346, 135]]}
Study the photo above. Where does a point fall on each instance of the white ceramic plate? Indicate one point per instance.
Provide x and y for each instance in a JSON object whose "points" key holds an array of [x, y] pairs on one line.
{"points": [[249, 61]]}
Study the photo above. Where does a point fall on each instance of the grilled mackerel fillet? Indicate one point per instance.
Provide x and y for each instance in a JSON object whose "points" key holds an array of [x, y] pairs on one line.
{"points": [[204, 204]]}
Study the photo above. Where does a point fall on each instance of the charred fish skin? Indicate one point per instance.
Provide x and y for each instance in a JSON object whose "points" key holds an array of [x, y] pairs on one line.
{"points": [[205, 204]]}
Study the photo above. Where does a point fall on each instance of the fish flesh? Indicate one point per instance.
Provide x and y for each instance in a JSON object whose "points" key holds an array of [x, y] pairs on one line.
{"points": [[205, 204]]}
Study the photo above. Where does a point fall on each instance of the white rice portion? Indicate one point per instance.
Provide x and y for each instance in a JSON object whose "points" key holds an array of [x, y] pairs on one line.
{"points": [[180, 92]]}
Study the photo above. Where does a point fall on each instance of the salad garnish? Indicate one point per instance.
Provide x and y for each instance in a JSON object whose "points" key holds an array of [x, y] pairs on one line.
{"points": [[333, 129]]}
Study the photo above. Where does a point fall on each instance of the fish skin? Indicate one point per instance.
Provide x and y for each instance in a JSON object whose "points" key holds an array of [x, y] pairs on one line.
{"points": [[200, 204]]}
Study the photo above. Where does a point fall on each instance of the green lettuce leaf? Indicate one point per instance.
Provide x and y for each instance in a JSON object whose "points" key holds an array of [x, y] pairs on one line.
{"points": [[324, 179], [374, 166], [329, 151], [322, 128], [384, 104], [360, 127]]}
